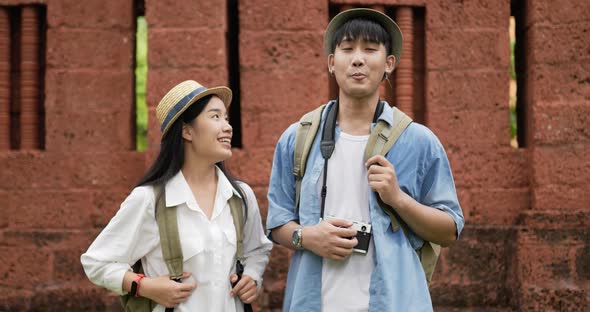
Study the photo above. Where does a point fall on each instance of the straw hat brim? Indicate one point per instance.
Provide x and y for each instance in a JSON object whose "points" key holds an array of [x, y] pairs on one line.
{"points": [[223, 93], [384, 20]]}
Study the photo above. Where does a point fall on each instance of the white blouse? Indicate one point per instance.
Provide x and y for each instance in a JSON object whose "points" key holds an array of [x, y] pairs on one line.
{"points": [[208, 246]]}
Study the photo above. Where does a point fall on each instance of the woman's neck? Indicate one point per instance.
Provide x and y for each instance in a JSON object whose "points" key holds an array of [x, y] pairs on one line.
{"points": [[199, 173], [202, 179]]}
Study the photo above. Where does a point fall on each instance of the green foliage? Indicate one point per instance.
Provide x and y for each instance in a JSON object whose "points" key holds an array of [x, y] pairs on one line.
{"points": [[512, 67], [513, 123], [141, 109]]}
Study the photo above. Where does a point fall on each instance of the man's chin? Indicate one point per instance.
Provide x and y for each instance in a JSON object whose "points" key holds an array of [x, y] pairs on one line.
{"points": [[359, 93]]}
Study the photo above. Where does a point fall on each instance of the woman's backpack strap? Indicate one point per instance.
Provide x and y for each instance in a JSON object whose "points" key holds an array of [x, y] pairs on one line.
{"points": [[169, 237], [237, 212]]}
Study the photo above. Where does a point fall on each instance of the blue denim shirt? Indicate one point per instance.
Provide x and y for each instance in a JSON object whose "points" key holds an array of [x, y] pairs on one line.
{"points": [[398, 282]]}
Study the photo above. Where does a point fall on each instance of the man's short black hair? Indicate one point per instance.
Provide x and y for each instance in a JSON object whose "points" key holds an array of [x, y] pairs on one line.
{"points": [[363, 29]]}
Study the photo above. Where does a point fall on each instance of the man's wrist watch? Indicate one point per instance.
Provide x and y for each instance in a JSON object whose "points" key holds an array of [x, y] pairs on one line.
{"points": [[297, 239], [135, 285]]}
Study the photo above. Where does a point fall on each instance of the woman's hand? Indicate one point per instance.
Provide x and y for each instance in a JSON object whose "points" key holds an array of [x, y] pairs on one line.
{"points": [[165, 291], [246, 289]]}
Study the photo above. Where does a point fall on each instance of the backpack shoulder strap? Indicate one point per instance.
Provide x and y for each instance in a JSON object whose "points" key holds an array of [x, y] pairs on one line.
{"points": [[308, 128], [380, 142], [384, 136], [428, 257], [169, 237], [237, 213]]}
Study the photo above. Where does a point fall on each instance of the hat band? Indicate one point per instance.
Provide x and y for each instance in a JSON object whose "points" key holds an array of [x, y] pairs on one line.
{"points": [[180, 105]]}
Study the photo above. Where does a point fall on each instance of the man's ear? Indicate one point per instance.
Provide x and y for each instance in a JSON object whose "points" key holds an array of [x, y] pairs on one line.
{"points": [[390, 63], [331, 64], [186, 132]]}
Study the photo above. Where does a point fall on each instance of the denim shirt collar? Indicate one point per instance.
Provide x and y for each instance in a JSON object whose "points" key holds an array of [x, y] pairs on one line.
{"points": [[386, 115]]}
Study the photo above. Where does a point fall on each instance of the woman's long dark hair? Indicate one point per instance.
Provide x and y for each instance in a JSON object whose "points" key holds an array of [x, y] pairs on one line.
{"points": [[171, 156]]}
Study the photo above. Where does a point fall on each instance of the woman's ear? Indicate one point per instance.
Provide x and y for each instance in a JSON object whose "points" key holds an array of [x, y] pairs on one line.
{"points": [[187, 133]]}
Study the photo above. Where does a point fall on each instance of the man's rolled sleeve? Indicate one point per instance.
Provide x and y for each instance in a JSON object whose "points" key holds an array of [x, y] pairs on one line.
{"points": [[438, 187], [281, 190]]}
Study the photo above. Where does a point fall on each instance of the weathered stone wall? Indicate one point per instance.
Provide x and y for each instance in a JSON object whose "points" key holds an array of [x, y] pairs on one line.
{"points": [[526, 243]]}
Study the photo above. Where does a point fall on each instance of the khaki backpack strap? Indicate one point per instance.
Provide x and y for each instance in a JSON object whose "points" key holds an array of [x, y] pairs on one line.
{"points": [[237, 213], [428, 257], [376, 142], [383, 136], [395, 225], [169, 238], [308, 127], [381, 140]]}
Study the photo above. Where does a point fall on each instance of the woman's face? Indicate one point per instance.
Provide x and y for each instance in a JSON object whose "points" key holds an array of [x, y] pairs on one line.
{"points": [[209, 135]]}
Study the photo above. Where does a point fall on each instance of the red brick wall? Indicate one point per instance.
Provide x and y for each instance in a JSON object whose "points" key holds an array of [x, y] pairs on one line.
{"points": [[526, 244]]}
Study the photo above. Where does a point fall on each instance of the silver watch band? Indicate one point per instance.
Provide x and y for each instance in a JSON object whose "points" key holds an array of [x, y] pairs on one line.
{"points": [[298, 242]]}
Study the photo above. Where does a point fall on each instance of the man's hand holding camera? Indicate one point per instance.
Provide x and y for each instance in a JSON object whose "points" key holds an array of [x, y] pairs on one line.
{"points": [[330, 239], [334, 238]]}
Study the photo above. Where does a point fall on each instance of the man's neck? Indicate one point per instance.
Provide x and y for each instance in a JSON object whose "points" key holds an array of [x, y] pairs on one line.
{"points": [[355, 115]]}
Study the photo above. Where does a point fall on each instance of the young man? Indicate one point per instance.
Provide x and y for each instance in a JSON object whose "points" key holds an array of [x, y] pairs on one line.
{"points": [[327, 273]]}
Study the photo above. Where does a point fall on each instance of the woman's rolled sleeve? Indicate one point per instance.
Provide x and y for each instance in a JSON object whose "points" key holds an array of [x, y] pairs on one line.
{"points": [[122, 242], [257, 247]]}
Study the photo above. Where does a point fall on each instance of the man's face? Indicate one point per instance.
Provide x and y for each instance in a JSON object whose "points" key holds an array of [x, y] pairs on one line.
{"points": [[359, 67]]}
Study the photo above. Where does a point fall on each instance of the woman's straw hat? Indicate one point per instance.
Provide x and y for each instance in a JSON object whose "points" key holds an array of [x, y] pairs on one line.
{"points": [[183, 95]]}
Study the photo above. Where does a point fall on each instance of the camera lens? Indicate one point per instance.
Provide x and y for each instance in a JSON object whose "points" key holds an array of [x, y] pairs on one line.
{"points": [[363, 228]]}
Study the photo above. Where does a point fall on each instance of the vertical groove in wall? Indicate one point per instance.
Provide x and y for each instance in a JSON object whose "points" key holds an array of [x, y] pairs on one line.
{"points": [[29, 78], [519, 12], [404, 73], [419, 67], [233, 66], [5, 47], [41, 56], [14, 14]]}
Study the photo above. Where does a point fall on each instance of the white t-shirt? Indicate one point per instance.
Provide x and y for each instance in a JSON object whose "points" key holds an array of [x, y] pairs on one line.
{"points": [[345, 284]]}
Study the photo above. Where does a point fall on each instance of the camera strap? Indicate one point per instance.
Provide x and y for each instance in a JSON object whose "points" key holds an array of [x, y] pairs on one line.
{"points": [[328, 143]]}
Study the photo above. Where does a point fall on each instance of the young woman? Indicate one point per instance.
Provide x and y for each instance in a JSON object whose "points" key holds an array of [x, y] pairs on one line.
{"points": [[196, 139]]}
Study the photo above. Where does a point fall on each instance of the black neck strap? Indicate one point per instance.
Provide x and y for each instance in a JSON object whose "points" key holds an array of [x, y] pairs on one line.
{"points": [[328, 142]]}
